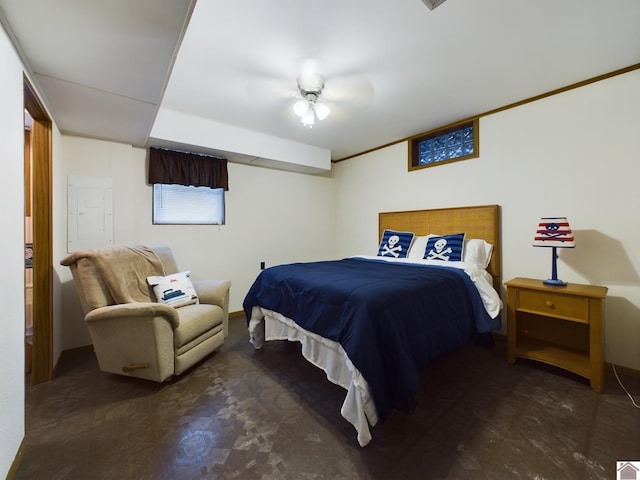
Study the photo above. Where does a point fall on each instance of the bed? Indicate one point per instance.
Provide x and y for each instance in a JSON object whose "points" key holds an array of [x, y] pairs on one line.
{"points": [[371, 321]]}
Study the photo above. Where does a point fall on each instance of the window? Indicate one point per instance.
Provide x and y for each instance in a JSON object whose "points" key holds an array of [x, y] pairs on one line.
{"points": [[187, 205], [445, 145], [188, 188]]}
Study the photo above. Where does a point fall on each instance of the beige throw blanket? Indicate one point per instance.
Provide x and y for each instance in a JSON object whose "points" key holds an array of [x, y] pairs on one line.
{"points": [[124, 270]]}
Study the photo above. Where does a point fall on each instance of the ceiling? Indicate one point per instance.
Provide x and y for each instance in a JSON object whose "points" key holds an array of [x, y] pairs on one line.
{"points": [[393, 69]]}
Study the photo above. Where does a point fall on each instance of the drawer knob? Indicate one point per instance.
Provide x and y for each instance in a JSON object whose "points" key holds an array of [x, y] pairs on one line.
{"points": [[549, 304]]}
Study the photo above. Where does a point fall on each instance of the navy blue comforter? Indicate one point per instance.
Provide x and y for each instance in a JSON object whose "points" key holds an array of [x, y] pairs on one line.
{"points": [[390, 318]]}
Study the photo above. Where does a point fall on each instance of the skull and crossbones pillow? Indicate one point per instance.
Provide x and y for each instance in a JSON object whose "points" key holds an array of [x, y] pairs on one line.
{"points": [[395, 244], [446, 248]]}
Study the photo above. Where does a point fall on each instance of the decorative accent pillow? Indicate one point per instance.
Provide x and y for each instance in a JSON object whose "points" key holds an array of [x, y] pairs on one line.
{"points": [[395, 244], [477, 252], [447, 248], [175, 290]]}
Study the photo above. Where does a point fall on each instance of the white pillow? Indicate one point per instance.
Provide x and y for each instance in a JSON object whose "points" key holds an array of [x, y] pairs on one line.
{"points": [[175, 290], [477, 252], [418, 247]]}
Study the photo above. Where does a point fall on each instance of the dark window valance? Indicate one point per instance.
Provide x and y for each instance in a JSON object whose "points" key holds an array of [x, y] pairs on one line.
{"points": [[182, 168]]}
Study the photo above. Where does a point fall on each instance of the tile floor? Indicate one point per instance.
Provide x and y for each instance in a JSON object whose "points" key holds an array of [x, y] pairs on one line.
{"points": [[268, 414]]}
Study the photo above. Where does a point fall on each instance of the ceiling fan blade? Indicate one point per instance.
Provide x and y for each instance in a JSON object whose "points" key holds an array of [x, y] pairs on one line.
{"points": [[270, 88], [352, 89]]}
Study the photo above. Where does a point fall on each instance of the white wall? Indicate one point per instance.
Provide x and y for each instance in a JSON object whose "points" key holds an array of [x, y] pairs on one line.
{"points": [[272, 216], [104, 159], [11, 254], [575, 154], [12, 298]]}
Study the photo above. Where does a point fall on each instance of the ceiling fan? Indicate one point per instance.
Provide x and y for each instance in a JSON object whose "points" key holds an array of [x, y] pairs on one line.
{"points": [[313, 95], [310, 106]]}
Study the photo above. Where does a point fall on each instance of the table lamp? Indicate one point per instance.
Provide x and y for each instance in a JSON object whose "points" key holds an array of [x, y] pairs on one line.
{"points": [[554, 232]]}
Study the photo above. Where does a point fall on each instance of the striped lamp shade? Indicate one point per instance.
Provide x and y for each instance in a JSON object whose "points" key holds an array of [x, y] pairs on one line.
{"points": [[554, 232]]}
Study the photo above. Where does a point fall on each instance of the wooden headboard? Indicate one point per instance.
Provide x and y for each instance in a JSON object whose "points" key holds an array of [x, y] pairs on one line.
{"points": [[476, 222]]}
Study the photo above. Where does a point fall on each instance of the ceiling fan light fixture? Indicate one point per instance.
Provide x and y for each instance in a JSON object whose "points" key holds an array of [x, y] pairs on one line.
{"points": [[301, 107], [309, 118], [322, 111], [309, 107]]}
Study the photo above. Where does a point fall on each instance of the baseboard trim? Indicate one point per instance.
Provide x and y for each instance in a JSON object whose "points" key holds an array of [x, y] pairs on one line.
{"points": [[624, 371], [16, 461], [70, 353]]}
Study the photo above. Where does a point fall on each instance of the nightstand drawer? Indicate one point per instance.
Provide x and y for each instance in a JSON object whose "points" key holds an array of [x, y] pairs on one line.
{"points": [[570, 307]]}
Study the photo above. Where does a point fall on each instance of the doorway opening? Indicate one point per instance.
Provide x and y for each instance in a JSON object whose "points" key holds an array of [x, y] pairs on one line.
{"points": [[41, 245], [28, 244]]}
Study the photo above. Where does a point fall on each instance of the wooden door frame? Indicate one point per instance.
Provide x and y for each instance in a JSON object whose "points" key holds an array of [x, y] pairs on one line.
{"points": [[41, 210]]}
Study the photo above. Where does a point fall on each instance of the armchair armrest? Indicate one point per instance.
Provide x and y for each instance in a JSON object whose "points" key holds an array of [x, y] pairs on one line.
{"points": [[213, 292], [133, 310]]}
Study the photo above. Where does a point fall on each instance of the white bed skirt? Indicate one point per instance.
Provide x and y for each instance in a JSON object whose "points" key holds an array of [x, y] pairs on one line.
{"points": [[358, 407]]}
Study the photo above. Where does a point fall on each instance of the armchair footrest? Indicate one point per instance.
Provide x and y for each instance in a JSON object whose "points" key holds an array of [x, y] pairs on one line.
{"points": [[130, 367]]}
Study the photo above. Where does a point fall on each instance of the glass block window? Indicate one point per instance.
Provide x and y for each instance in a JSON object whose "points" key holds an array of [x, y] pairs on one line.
{"points": [[457, 142]]}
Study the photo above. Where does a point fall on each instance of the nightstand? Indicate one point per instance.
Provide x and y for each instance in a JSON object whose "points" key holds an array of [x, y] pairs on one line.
{"points": [[561, 326]]}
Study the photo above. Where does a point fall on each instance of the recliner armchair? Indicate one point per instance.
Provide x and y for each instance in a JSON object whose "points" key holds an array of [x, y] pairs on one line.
{"points": [[132, 333]]}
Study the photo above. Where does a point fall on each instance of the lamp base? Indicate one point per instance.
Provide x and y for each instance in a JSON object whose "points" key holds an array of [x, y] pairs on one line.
{"points": [[554, 272]]}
